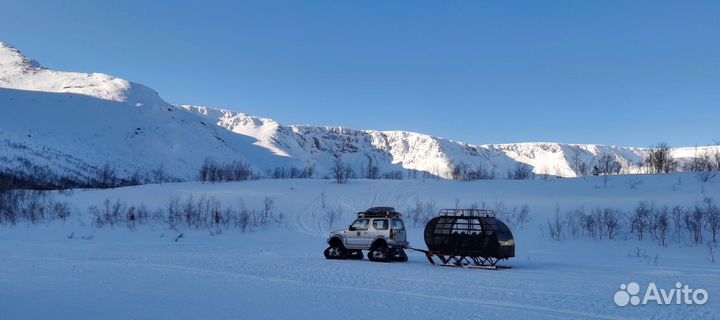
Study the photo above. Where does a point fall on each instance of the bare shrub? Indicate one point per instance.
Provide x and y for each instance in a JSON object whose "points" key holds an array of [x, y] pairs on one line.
{"points": [[109, 213], [203, 212], [393, 175], [219, 217], [341, 171], [267, 211], [61, 210], [31, 206], [174, 213], [521, 215], [289, 173], [332, 215], [694, 219], [580, 167], [660, 160], [592, 223], [420, 212], [677, 223], [678, 214], [572, 220], [212, 172], [160, 175], [704, 165], [611, 220], [131, 218], [515, 216], [607, 164], [659, 224], [143, 214], [640, 218], [705, 176], [521, 172], [107, 177], [712, 216], [459, 171], [372, 172], [243, 220], [463, 171], [555, 227]]}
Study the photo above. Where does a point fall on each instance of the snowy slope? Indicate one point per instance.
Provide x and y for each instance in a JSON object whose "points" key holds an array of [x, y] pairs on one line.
{"points": [[98, 119], [564, 159], [21, 73], [402, 151], [390, 151]]}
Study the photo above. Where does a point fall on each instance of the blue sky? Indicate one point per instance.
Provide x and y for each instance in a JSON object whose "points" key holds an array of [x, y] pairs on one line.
{"points": [[610, 72]]}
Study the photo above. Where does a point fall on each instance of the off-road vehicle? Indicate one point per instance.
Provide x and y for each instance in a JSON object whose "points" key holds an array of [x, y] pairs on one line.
{"points": [[379, 230]]}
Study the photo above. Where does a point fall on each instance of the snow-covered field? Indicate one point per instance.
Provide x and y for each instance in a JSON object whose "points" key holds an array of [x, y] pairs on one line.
{"points": [[280, 273]]}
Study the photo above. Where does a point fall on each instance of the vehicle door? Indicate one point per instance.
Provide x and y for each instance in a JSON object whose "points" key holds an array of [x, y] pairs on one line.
{"points": [[357, 232]]}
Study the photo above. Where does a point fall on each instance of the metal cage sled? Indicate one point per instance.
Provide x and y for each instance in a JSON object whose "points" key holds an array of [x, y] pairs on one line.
{"points": [[468, 238]]}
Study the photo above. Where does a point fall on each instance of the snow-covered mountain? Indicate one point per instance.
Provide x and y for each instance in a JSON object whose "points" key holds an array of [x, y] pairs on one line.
{"points": [[67, 124], [401, 151], [71, 124]]}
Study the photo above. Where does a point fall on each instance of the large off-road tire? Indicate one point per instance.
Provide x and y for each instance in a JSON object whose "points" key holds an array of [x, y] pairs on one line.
{"points": [[354, 254], [380, 252], [336, 250], [399, 255]]}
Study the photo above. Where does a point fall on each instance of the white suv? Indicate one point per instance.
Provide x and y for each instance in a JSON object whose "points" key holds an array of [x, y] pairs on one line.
{"points": [[379, 230]]}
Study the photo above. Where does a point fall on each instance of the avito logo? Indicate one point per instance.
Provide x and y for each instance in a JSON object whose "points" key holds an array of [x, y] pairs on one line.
{"points": [[681, 294]]}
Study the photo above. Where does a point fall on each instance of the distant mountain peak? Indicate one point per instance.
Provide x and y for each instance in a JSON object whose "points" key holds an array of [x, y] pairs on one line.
{"points": [[22, 73], [11, 58]]}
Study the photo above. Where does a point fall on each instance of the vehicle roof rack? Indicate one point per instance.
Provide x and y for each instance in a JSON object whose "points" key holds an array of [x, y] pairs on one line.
{"points": [[467, 213], [383, 212]]}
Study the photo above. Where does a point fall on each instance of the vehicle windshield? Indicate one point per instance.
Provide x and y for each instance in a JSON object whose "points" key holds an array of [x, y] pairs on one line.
{"points": [[398, 224]]}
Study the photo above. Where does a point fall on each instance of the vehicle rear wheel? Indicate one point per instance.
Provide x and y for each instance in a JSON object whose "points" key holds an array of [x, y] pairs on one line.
{"points": [[336, 250], [355, 254], [380, 253]]}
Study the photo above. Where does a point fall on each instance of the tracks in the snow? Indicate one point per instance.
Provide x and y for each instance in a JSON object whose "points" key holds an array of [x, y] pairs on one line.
{"points": [[301, 283]]}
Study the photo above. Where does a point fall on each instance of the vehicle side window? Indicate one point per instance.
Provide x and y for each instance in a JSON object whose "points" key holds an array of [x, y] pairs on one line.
{"points": [[380, 224], [361, 224], [398, 224]]}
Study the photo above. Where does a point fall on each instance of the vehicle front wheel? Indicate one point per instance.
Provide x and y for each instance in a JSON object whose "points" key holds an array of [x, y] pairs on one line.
{"points": [[336, 250], [379, 253]]}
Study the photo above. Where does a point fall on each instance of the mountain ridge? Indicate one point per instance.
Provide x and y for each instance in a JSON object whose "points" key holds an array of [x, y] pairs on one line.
{"points": [[547, 158], [98, 120]]}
